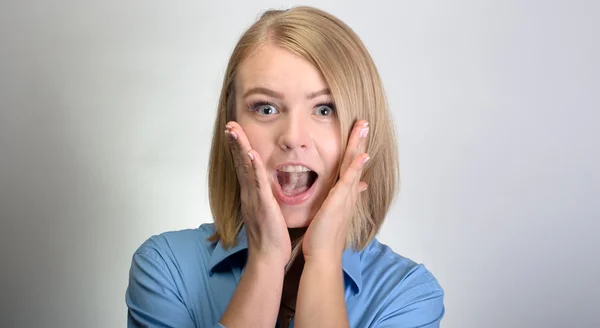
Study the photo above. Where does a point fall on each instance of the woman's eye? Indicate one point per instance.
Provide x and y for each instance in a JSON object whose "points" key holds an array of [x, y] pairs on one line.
{"points": [[265, 109], [324, 110]]}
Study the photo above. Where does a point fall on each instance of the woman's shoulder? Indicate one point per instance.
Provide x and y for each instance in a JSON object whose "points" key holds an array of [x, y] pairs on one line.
{"points": [[179, 240], [168, 279], [398, 284], [185, 249], [378, 258], [171, 240]]}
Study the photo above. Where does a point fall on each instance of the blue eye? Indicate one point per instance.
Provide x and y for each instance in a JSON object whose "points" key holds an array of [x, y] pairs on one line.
{"points": [[325, 110], [264, 109]]}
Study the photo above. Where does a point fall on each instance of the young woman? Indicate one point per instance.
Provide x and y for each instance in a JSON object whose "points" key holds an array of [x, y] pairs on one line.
{"points": [[303, 169]]}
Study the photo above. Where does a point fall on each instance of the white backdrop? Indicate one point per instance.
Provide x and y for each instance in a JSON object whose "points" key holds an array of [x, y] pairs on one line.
{"points": [[106, 112]]}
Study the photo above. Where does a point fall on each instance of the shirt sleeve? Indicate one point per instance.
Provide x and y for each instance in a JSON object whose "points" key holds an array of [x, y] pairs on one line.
{"points": [[152, 297], [421, 305]]}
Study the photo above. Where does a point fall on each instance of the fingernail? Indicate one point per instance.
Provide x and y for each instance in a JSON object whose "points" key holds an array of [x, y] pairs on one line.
{"points": [[363, 189], [233, 135], [366, 159], [228, 127], [365, 124], [364, 132], [251, 156]]}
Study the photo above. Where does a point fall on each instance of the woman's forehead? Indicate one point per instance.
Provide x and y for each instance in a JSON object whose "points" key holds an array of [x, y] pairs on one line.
{"points": [[279, 70]]}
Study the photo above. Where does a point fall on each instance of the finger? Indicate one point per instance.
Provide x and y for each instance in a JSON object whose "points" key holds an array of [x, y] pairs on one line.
{"points": [[356, 143], [352, 175], [362, 186], [261, 179], [239, 145], [353, 144], [349, 185], [237, 161]]}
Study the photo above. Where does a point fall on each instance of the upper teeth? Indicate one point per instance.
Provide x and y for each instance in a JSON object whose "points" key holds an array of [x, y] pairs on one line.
{"points": [[293, 168]]}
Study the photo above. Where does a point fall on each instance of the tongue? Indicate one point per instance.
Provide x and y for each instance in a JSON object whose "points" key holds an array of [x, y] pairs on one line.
{"points": [[293, 183]]}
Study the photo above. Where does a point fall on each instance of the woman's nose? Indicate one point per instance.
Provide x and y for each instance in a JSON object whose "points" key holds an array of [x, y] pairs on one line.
{"points": [[295, 134]]}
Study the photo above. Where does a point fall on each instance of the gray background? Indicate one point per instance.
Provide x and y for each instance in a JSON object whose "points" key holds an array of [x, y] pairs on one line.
{"points": [[106, 112]]}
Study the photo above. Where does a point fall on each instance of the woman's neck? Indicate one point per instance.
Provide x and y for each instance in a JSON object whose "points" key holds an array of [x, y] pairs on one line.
{"points": [[296, 233], [291, 280]]}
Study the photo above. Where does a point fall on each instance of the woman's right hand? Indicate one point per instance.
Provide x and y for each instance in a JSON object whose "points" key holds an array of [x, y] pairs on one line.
{"points": [[268, 237]]}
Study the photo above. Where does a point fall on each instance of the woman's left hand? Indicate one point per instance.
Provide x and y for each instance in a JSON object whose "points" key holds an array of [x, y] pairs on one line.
{"points": [[325, 238]]}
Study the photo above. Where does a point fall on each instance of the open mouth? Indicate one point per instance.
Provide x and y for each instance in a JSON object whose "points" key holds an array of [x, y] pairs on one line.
{"points": [[295, 179]]}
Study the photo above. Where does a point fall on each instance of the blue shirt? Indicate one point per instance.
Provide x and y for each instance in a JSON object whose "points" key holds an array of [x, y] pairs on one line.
{"points": [[180, 279]]}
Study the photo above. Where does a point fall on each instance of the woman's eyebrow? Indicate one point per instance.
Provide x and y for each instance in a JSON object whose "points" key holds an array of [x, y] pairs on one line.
{"points": [[312, 95], [264, 91], [278, 95]]}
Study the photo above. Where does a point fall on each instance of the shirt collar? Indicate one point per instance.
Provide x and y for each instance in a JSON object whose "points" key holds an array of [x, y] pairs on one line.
{"points": [[350, 259]]}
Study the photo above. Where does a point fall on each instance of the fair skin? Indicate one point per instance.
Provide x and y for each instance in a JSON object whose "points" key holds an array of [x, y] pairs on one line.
{"points": [[285, 117]]}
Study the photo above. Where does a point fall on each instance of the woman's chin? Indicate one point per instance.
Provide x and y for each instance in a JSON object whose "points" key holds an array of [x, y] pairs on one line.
{"points": [[296, 220], [300, 216]]}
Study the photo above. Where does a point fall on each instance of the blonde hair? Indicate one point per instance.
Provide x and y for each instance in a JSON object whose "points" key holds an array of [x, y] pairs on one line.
{"points": [[337, 52]]}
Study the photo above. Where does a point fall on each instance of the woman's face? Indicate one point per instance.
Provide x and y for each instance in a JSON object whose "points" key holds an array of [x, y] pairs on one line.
{"points": [[286, 111]]}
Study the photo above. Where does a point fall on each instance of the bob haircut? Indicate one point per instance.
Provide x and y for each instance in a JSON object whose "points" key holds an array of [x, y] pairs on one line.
{"points": [[356, 88]]}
